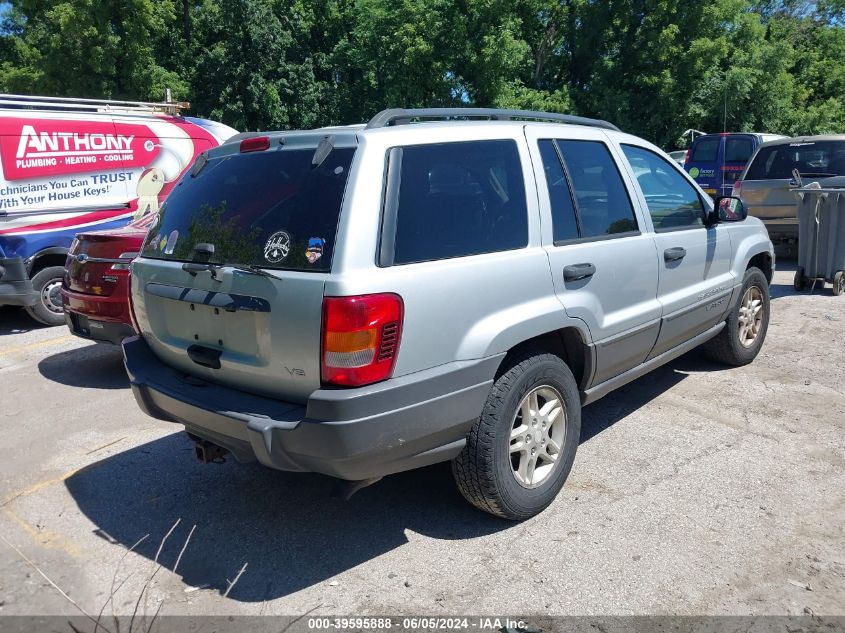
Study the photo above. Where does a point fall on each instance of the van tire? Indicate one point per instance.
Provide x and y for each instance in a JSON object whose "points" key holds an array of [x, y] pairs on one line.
{"points": [[839, 283], [43, 282], [484, 470], [726, 346], [798, 281]]}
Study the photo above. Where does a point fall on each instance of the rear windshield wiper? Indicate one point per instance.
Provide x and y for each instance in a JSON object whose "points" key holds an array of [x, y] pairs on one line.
{"points": [[196, 267], [255, 270]]}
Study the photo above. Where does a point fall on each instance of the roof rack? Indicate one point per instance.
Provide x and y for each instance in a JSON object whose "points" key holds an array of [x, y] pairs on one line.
{"points": [[35, 102], [400, 116]]}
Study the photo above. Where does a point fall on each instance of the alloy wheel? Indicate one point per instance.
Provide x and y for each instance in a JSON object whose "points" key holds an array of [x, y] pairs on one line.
{"points": [[537, 436], [750, 316]]}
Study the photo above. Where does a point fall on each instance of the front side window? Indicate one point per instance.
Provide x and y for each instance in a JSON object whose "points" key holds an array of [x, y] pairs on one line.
{"points": [[452, 200], [672, 201], [603, 205]]}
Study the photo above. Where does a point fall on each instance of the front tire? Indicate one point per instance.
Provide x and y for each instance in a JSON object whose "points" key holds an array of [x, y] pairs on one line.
{"points": [[740, 340], [48, 284], [521, 449]]}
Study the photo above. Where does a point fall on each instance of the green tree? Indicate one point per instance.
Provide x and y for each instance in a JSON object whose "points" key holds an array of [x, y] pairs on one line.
{"points": [[654, 67], [88, 48], [252, 73]]}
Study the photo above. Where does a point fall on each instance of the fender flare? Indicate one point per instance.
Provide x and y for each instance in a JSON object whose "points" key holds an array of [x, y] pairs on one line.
{"points": [[53, 250]]}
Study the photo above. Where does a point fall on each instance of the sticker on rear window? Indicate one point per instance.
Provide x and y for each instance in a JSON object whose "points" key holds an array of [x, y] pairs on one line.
{"points": [[277, 247], [315, 249]]}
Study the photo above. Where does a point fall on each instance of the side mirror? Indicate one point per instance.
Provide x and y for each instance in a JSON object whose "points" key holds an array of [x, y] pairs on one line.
{"points": [[728, 209]]}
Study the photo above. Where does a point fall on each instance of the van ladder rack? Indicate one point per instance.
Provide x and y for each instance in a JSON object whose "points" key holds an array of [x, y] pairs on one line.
{"points": [[90, 105], [400, 116]]}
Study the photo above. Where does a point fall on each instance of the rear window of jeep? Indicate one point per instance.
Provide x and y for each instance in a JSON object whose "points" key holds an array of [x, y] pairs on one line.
{"points": [[454, 200], [271, 209]]}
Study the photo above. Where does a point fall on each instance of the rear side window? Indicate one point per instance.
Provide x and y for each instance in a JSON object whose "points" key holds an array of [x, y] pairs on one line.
{"points": [[452, 200], [705, 150], [738, 149], [812, 159], [604, 207], [271, 209]]}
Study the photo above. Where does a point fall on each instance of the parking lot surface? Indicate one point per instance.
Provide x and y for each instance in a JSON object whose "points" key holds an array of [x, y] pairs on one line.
{"points": [[696, 490]]}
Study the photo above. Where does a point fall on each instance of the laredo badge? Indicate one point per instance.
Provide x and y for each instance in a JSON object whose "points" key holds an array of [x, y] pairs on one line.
{"points": [[277, 247], [315, 249]]}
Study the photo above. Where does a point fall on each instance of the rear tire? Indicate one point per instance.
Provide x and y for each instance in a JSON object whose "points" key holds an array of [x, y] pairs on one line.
{"points": [[798, 282], [48, 283], [839, 283], [740, 340], [494, 470]]}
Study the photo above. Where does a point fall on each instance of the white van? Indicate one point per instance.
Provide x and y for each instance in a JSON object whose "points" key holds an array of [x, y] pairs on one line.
{"points": [[66, 164]]}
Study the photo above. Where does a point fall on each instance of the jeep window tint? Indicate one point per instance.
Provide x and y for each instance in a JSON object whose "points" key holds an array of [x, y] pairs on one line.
{"points": [[705, 150], [672, 201], [270, 209], [564, 224], [820, 159], [603, 205], [457, 199]]}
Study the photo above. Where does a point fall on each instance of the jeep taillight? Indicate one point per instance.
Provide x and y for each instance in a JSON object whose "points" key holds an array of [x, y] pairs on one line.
{"points": [[361, 337]]}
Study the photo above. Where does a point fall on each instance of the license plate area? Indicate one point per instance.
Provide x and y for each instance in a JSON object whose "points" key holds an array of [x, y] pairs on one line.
{"points": [[234, 324]]}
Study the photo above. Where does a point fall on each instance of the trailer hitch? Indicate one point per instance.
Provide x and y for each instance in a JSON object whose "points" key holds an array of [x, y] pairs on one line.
{"points": [[209, 453]]}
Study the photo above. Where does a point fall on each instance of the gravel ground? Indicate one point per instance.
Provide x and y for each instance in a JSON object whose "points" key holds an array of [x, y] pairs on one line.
{"points": [[696, 490]]}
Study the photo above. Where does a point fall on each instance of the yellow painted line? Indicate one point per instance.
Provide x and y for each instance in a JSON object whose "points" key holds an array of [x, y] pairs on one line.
{"points": [[8, 351], [45, 484], [42, 536]]}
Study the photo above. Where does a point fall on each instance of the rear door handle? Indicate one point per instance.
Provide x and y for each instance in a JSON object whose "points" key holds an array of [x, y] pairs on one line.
{"points": [[574, 272], [674, 254]]}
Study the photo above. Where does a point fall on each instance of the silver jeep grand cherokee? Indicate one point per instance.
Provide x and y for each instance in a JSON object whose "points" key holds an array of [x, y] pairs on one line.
{"points": [[447, 284]]}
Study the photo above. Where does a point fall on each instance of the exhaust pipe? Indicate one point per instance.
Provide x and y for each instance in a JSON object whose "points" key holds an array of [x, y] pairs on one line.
{"points": [[208, 453]]}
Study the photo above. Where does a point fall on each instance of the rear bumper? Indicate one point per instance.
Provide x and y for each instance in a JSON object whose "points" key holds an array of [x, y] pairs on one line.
{"points": [[96, 317], [95, 330], [15, 286], [781, 229], [353, 434]]}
